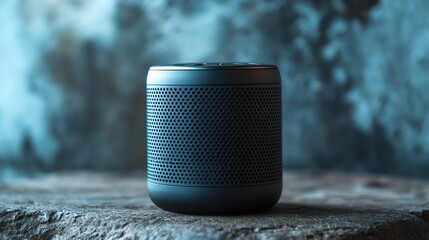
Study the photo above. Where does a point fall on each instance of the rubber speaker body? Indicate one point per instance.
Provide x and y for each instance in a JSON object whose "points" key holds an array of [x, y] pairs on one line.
{"points": [[214, 143]]}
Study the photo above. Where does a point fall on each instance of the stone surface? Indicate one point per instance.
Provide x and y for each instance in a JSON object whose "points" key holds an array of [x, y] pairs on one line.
{"points": [[316, 206]]}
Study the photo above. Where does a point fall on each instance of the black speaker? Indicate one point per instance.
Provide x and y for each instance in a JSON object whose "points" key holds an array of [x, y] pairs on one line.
{"points": [[214, 137]]}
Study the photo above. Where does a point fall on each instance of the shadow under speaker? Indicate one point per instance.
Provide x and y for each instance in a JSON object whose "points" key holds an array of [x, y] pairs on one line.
{"points": [[214, 137]]}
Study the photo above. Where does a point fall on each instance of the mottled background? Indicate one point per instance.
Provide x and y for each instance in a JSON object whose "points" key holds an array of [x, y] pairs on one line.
{"points": [[355, 78]]}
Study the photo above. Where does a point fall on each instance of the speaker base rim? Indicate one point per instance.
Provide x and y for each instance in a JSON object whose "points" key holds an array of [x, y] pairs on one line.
{"points": [[200, 200]]}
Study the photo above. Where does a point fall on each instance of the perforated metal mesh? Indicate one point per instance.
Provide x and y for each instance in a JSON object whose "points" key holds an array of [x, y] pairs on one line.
{"points": [[214, 136]]}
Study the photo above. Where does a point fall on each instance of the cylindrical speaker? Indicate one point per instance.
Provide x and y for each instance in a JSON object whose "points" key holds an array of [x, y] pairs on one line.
{"points": [[214, 137]]}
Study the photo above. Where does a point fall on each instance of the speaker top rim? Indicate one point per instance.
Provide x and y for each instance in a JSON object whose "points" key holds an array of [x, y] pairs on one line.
{"points": [[198, 66], [213, 74]]}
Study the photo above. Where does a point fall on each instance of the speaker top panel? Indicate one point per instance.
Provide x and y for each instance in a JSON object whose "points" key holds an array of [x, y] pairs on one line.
{"points": [[219, 73], [211, 66]]}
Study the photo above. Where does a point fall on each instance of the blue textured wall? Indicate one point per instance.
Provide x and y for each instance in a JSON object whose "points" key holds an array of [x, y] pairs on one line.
{"points": [[72, 77]]}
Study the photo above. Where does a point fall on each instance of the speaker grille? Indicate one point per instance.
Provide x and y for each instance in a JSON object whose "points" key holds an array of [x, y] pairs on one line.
{"points": [[214, 136]]}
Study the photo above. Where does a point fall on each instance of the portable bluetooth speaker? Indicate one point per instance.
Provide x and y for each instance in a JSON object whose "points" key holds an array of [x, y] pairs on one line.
{"points": [[214, 137]]}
